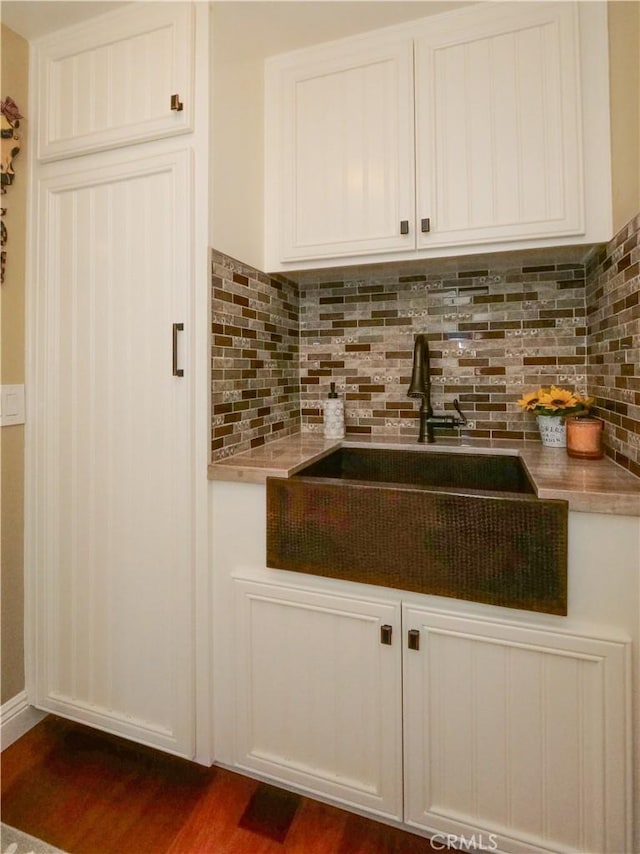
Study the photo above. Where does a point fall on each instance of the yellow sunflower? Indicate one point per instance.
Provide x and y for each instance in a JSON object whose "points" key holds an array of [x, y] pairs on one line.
{"points": [[530, 400], [553, 400], [558, 398], [585, 402]]}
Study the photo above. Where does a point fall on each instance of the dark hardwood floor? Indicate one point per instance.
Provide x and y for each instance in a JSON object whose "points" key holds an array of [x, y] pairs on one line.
{"points": [[91, 793]]}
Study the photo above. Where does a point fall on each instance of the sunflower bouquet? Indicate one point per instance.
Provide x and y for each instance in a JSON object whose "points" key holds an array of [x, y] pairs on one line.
{"points": [[556, 401]]}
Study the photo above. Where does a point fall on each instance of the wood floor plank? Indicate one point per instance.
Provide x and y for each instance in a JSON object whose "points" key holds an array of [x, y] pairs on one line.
{"points": [[96, 793], [213, 824], [316, 829], [27, 752], [87, 792], [362, 836]]}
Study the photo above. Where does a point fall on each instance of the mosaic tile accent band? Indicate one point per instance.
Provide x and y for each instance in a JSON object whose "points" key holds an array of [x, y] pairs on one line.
{"points": [[493, 334], [613, 343], [255, 392]]}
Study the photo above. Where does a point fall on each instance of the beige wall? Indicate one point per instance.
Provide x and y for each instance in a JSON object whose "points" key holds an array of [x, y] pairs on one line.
{"points": [[624, 47], [15, 63], [237, 173]]}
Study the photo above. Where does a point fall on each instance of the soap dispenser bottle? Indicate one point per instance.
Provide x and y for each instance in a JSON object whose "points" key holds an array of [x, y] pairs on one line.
{"points": [[333, 415]]}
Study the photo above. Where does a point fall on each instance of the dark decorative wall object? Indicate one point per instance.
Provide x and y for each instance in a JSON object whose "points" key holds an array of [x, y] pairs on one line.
{"points": [[10, 148]]}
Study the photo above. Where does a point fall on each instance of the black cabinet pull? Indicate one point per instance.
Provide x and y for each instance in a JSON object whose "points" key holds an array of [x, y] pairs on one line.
{"points": [[177, 327], [404, 226], [425, 225], [413, 639], [385, 634]]}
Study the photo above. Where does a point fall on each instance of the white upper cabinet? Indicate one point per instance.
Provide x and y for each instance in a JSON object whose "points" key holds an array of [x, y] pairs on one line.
{"points": [[511, 113], [499, 142], [344, 150], [110, 82]]}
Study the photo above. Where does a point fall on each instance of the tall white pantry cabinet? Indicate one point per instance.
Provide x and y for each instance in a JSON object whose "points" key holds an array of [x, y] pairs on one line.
{"points": [[117, 427]]}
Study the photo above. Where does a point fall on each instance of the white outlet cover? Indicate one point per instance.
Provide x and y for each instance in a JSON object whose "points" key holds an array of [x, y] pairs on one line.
{"points": [[11, 405]]}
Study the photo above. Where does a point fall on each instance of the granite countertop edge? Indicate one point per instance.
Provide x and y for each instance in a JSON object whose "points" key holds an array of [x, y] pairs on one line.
{"points": [[589, 486]]}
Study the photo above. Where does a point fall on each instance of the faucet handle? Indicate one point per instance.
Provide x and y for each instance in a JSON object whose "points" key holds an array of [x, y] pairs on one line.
{"points": [[456, 406]]}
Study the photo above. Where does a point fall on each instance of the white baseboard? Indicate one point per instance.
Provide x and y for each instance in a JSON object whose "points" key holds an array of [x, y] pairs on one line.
{"points": [[17, 717]]}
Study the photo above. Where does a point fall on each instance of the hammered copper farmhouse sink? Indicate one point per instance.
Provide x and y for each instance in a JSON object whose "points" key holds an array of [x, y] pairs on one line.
{"points": [[463, 525]]}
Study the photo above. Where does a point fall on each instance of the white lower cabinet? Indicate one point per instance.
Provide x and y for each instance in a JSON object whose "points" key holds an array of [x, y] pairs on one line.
{"points": [[516, 732], [319, 694], [515, 736]]}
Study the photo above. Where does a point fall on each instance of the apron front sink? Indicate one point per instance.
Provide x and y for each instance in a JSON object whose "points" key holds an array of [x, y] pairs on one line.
{"points": [[467, 526]]}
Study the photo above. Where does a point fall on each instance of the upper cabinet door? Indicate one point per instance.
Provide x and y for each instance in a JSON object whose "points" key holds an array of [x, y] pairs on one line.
{"points": [[110, 82], [343, 151], [499, 140]]}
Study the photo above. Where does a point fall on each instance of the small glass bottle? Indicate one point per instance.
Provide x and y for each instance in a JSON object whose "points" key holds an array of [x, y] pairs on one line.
{"points": [[333, 415], [584, 438]]}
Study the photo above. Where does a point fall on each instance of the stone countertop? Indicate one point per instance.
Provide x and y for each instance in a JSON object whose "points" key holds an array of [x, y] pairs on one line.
{"points": [[590, 486]]}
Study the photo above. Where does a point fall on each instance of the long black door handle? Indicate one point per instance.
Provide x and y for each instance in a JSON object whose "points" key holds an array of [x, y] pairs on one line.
{"points": [[177, 327]]}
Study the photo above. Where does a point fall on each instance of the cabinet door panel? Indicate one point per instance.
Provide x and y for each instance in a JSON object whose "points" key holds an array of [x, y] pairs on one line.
{"points": [[347, 153], [319, 696], [498, 125], [110, 84], [516, 732], [114, 426]]}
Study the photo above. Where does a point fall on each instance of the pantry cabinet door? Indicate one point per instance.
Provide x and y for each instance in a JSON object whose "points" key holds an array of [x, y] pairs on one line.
{"points": [[319, 693], [518, 735], [339, 142], [112, 518], [109, 82], [498, 116]]}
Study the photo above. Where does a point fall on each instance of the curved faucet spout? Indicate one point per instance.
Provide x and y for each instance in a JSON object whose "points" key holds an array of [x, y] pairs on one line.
{"points": [[420, 385]]}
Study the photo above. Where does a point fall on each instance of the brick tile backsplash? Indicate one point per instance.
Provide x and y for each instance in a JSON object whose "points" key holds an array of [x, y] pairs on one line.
{"points": [[493, 334], [613, 342], [255, 388]]}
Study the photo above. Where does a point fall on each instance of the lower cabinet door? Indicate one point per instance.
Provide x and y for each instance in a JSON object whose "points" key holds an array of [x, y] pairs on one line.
{"points": [[516, 736], [319, 693]]}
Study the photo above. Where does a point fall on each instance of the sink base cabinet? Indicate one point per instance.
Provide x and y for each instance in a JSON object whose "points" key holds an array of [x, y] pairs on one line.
{"points": [[510, 725], [508, 731]]}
